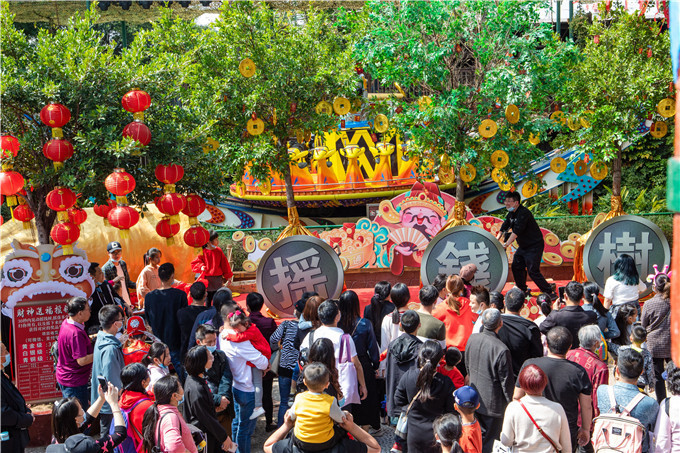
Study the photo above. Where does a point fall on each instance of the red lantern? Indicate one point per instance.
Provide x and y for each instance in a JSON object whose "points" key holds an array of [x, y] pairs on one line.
{"points": [[11, 182], [55, 116], [60, 199], [10, 146], [196, 237], [171, 204], [58, 150], [77, 216], [136, 101], [195, 205], [123, 218], [120, 183], [138, 131], [169, 175], [24, 214], [166, 229], [102, 210], [65, 234]]}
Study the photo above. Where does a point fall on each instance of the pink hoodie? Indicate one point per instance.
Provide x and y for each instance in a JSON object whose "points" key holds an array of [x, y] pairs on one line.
{"points": [[174, 435]]}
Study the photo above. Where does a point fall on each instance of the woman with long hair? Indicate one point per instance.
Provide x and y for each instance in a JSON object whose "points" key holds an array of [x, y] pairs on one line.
{"points": [[164, 426], [625, 318], [457, 316], [379, 307], [323, 351], [135, 400], [389, 327], [311, 322], [520, 432], [199, 405], [429, 395], [148, 279], [656, 319], [605, 320], [624, 286], [361, 331], [447, 430], [157, 361]]}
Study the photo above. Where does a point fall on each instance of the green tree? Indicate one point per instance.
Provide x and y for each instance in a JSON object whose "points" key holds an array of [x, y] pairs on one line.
{"points": [[71, 65], [301, 58], [623, 74], [472, 59]]}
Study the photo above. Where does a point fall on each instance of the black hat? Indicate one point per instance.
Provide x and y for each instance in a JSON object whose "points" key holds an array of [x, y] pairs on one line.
{"points": [[300, 304], [78, 443], [113, 246]]}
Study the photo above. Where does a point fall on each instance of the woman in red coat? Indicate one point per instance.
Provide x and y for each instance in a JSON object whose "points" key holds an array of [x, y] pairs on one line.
{"points": [[213, 265]]}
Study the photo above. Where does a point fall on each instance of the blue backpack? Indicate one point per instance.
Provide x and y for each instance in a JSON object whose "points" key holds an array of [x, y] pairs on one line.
{"points": [[128, 445]]}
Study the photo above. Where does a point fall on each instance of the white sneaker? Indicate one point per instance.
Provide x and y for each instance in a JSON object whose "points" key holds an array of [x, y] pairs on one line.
{"points": [[257, 412]]}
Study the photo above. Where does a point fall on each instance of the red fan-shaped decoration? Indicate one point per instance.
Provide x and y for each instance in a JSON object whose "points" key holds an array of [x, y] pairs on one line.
{"points": [[138, 131], [196, 237], [120, 183], [102, 210], [60, 199], [136, 101], [169, 175], [11, 183], [195, 205], [123, 218], [58, 150], [171, 204], [10, 146], [167, 230], [65, 233], [77, 216], [55, 116], [24, 214]]}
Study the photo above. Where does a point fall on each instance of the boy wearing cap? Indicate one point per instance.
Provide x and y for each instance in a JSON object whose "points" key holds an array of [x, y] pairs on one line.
{"points": [[115, 270], [466, 402]]}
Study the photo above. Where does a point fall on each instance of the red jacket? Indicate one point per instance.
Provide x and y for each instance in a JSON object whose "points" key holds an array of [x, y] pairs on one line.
{"points": [[135, 417], [458, 326], [253, 335], [212, 263]]}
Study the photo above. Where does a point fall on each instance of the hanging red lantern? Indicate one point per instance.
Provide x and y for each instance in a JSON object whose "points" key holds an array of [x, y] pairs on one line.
{"points": [[171, 204], [102, 210], [24, 214], [196, 237], [169, 175], [10, 146], [58, 150], [138, 131], [77, 216], [123, 218], [60, 199], [136, 101], [195, 205], [120, 183], [55, 116], [11, 182], [65, 234], [167, 230]]}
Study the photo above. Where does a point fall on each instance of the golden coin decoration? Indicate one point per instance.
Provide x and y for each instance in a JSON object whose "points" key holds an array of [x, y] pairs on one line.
{"points": [[255, 126], [341, 106], [264, 244], [506, 183], [488, 128], [599, 170], [666, 107], [497, 175], [210, 145], [468, 173], [499, 159], [356, 106], [445, 175], [659, 129], [424, 102], [529, 189], [265, 187], [580, 167], [558, 117], [247, 68], [249, 266], [324, 107], [512, 113], [249, 244], [573, 124], [238, 236], [585, 119], [381, 123], [558, 164], [534, 139]]}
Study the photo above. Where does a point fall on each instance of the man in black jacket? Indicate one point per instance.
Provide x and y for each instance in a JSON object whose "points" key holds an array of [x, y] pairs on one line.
{"points": [[16, 416], [402, 355], [520, 225], [519, 334], [572, 316], [115, 270], [102, 295]]}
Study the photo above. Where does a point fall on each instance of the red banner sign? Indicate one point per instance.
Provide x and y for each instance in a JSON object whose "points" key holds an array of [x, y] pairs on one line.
{"points": [[36, 326]]}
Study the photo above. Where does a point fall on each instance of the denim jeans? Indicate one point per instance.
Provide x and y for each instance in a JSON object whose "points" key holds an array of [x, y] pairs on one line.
{"points": [[242, 427], [284, 393], [176, 360], [82, 392]]}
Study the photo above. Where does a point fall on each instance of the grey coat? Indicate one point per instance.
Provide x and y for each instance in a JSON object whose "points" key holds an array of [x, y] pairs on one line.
{"points": [[489, 365]]}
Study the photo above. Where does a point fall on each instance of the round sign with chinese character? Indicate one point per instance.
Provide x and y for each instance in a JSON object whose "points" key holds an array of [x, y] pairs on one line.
{"points": [[295, 265], [632, 235], [452, 249]]}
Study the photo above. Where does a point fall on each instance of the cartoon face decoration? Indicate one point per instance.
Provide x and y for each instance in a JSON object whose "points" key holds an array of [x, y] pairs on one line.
{"points": [[423, 219], [32, 273]]}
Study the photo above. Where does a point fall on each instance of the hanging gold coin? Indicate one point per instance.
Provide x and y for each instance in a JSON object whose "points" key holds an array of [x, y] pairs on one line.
{"points": [[247, 68], [210, 145], [558, 164], [666, 107], [497, 175], [658, 129], [265, 187], [499, 159], [505, 183], [534, 139], [529, 189], [599, 170], [467, 173], [424, 102], [255, 126], [558, 117], [573, 124], [381, 123], [580, 167], [356, 106], [341, 106], [445, 175], [512, 113], [488, 128], [324, 108], [585, 119]]}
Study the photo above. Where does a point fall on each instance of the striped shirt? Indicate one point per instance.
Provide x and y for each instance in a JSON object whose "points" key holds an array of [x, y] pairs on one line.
{"points": [[286, 333]]}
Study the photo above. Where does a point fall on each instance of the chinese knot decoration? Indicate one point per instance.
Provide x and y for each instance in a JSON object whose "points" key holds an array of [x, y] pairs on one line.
{"points": [[120, 183], [196, 237], [136, 101], [65, 233], [102, 210], [195, 205]]}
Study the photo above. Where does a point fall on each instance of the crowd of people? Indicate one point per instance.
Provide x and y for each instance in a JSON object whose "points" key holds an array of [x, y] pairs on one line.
{"points": [[455, 368]]}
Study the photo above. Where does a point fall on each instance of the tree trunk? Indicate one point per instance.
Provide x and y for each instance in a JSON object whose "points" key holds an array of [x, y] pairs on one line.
{"points": [[290, 194], [460, 186], [616, 173], [44, 216]]}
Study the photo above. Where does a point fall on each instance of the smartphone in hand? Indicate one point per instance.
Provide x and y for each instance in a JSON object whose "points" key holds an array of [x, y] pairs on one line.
{"points": [[104, 384]]}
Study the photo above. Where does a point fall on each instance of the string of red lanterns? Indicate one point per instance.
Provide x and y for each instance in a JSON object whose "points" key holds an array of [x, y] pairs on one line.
{"points": [[137, 101], [64, 232], [11, 182], [120, 183]]}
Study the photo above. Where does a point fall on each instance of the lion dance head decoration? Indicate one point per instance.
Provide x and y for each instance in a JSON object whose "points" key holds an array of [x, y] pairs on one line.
{"points": [[34, 273]]}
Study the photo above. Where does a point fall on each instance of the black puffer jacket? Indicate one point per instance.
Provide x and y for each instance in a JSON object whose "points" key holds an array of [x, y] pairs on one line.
{"points": [[402, 355]]}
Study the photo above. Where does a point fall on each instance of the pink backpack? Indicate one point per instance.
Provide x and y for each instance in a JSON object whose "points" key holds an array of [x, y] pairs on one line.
{"points": [[618, 432]]}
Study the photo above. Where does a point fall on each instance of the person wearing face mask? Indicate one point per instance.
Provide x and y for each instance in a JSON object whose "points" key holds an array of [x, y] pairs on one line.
{"points": [[186, 317], [108, 357], [74, 358], [157, 361], [16, 416], [115, 270], [218, 377], [102, 295], [520, 225], [134, 401], [164, 426]]}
